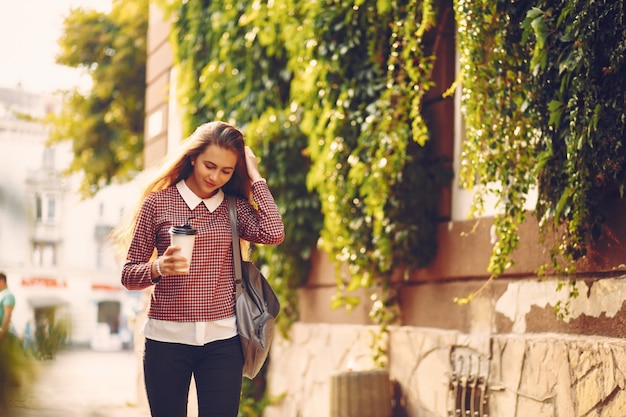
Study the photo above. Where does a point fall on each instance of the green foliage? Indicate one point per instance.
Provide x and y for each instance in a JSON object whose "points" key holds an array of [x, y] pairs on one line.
{"points": [[253, 399], [579, 93], [365, 77], [17, 371], [345, 76], [228, 71], [498, 154], [286, 166], [544, 88], [105, 124], [50, 339]]}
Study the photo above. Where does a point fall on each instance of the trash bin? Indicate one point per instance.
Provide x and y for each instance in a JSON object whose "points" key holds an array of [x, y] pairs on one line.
{"points": [[361, 394]]}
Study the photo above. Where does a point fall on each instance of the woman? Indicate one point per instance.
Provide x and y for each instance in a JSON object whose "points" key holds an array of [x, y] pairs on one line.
{"points": [[191, 327]]}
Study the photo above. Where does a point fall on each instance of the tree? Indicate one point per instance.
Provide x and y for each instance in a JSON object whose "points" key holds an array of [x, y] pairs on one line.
{"points": [[104, 124]]}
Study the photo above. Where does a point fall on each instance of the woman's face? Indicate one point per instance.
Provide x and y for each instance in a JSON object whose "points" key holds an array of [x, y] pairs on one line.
{"points": [[211, 170]]}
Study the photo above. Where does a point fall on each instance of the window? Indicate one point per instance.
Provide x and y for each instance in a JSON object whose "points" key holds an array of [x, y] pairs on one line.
{"points": [[44, 254], [46, 208], [38, 208], [48, 159], [51, 209]]}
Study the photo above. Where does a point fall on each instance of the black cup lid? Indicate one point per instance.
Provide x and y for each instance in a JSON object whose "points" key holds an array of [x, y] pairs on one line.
{"points": [[185, 229]]}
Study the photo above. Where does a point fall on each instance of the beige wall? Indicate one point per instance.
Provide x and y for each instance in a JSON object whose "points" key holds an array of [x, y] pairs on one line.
{"points": [[545, 375], [427, 297], [157, 89]]}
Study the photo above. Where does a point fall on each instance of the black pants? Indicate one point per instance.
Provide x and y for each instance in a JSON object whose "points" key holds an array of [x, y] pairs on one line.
{"points": [[216, 368]]}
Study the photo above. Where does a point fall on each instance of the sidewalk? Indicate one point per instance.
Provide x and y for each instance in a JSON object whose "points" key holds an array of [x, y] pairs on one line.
{"points": [[83, 383]]}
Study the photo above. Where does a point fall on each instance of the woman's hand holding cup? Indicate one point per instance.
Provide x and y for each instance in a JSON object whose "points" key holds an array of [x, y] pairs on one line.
{"points": [[182, 238], [173, 262]]}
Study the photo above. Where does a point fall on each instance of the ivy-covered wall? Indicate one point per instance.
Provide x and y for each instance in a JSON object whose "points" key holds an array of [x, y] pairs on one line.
{"points": [[330, 93], [347, 104], [333, 93]]}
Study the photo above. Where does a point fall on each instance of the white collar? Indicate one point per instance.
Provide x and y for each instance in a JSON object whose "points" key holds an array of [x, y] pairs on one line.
{"points": [[193, 200]]}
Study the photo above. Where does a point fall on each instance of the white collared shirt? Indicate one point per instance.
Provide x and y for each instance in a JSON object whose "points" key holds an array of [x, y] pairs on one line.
{"points": [[193, 200]]}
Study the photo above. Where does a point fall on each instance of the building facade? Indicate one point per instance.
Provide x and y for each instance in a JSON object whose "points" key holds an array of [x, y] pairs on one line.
{"points": [[54, 244]]}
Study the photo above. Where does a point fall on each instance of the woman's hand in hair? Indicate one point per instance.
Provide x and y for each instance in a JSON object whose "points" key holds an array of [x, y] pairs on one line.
{"points": [[251, 164]]}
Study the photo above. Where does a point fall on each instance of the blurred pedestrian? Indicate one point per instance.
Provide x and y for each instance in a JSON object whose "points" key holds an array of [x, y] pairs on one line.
{"points": [[191, 328], [15, 367], [28, 338], [7, 304]]}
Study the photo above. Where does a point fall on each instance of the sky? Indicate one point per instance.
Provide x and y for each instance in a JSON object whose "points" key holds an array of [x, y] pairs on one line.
{"points": [[29, 30]]}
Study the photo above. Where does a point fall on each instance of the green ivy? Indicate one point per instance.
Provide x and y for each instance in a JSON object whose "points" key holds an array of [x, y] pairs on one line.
{"points": [[498, 155], [580, 92], [288, 264], [580, 96], [544, 101], [330, 94], [365, 79]]}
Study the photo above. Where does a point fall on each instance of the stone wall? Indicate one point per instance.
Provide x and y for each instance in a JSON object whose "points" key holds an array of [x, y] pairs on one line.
{"points": [[551, 375], [301, 368]]}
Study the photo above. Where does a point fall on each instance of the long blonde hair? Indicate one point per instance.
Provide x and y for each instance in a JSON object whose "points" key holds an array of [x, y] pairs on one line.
{"points": [[179, 167]]}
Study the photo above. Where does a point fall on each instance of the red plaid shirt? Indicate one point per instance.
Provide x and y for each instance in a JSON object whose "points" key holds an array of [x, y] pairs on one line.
{"points": [[208, 292]]}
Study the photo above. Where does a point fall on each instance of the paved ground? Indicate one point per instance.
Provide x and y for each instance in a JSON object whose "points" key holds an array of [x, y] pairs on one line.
{"points": [[82, 383]]}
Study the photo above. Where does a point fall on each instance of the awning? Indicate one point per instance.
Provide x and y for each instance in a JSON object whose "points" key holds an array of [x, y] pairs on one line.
{"points": [[46, 301]]}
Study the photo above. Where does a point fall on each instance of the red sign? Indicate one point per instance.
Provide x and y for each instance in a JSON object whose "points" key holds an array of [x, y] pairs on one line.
{"points": [[105, 287], [43, 282]]}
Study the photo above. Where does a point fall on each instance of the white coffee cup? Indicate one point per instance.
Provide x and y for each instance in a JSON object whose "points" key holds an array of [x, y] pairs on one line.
{"points": [[184, 237]]}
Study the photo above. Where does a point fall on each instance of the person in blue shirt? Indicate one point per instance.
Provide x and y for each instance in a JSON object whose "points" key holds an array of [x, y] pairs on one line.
{"points": [[7, 304], [8, 361]]}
